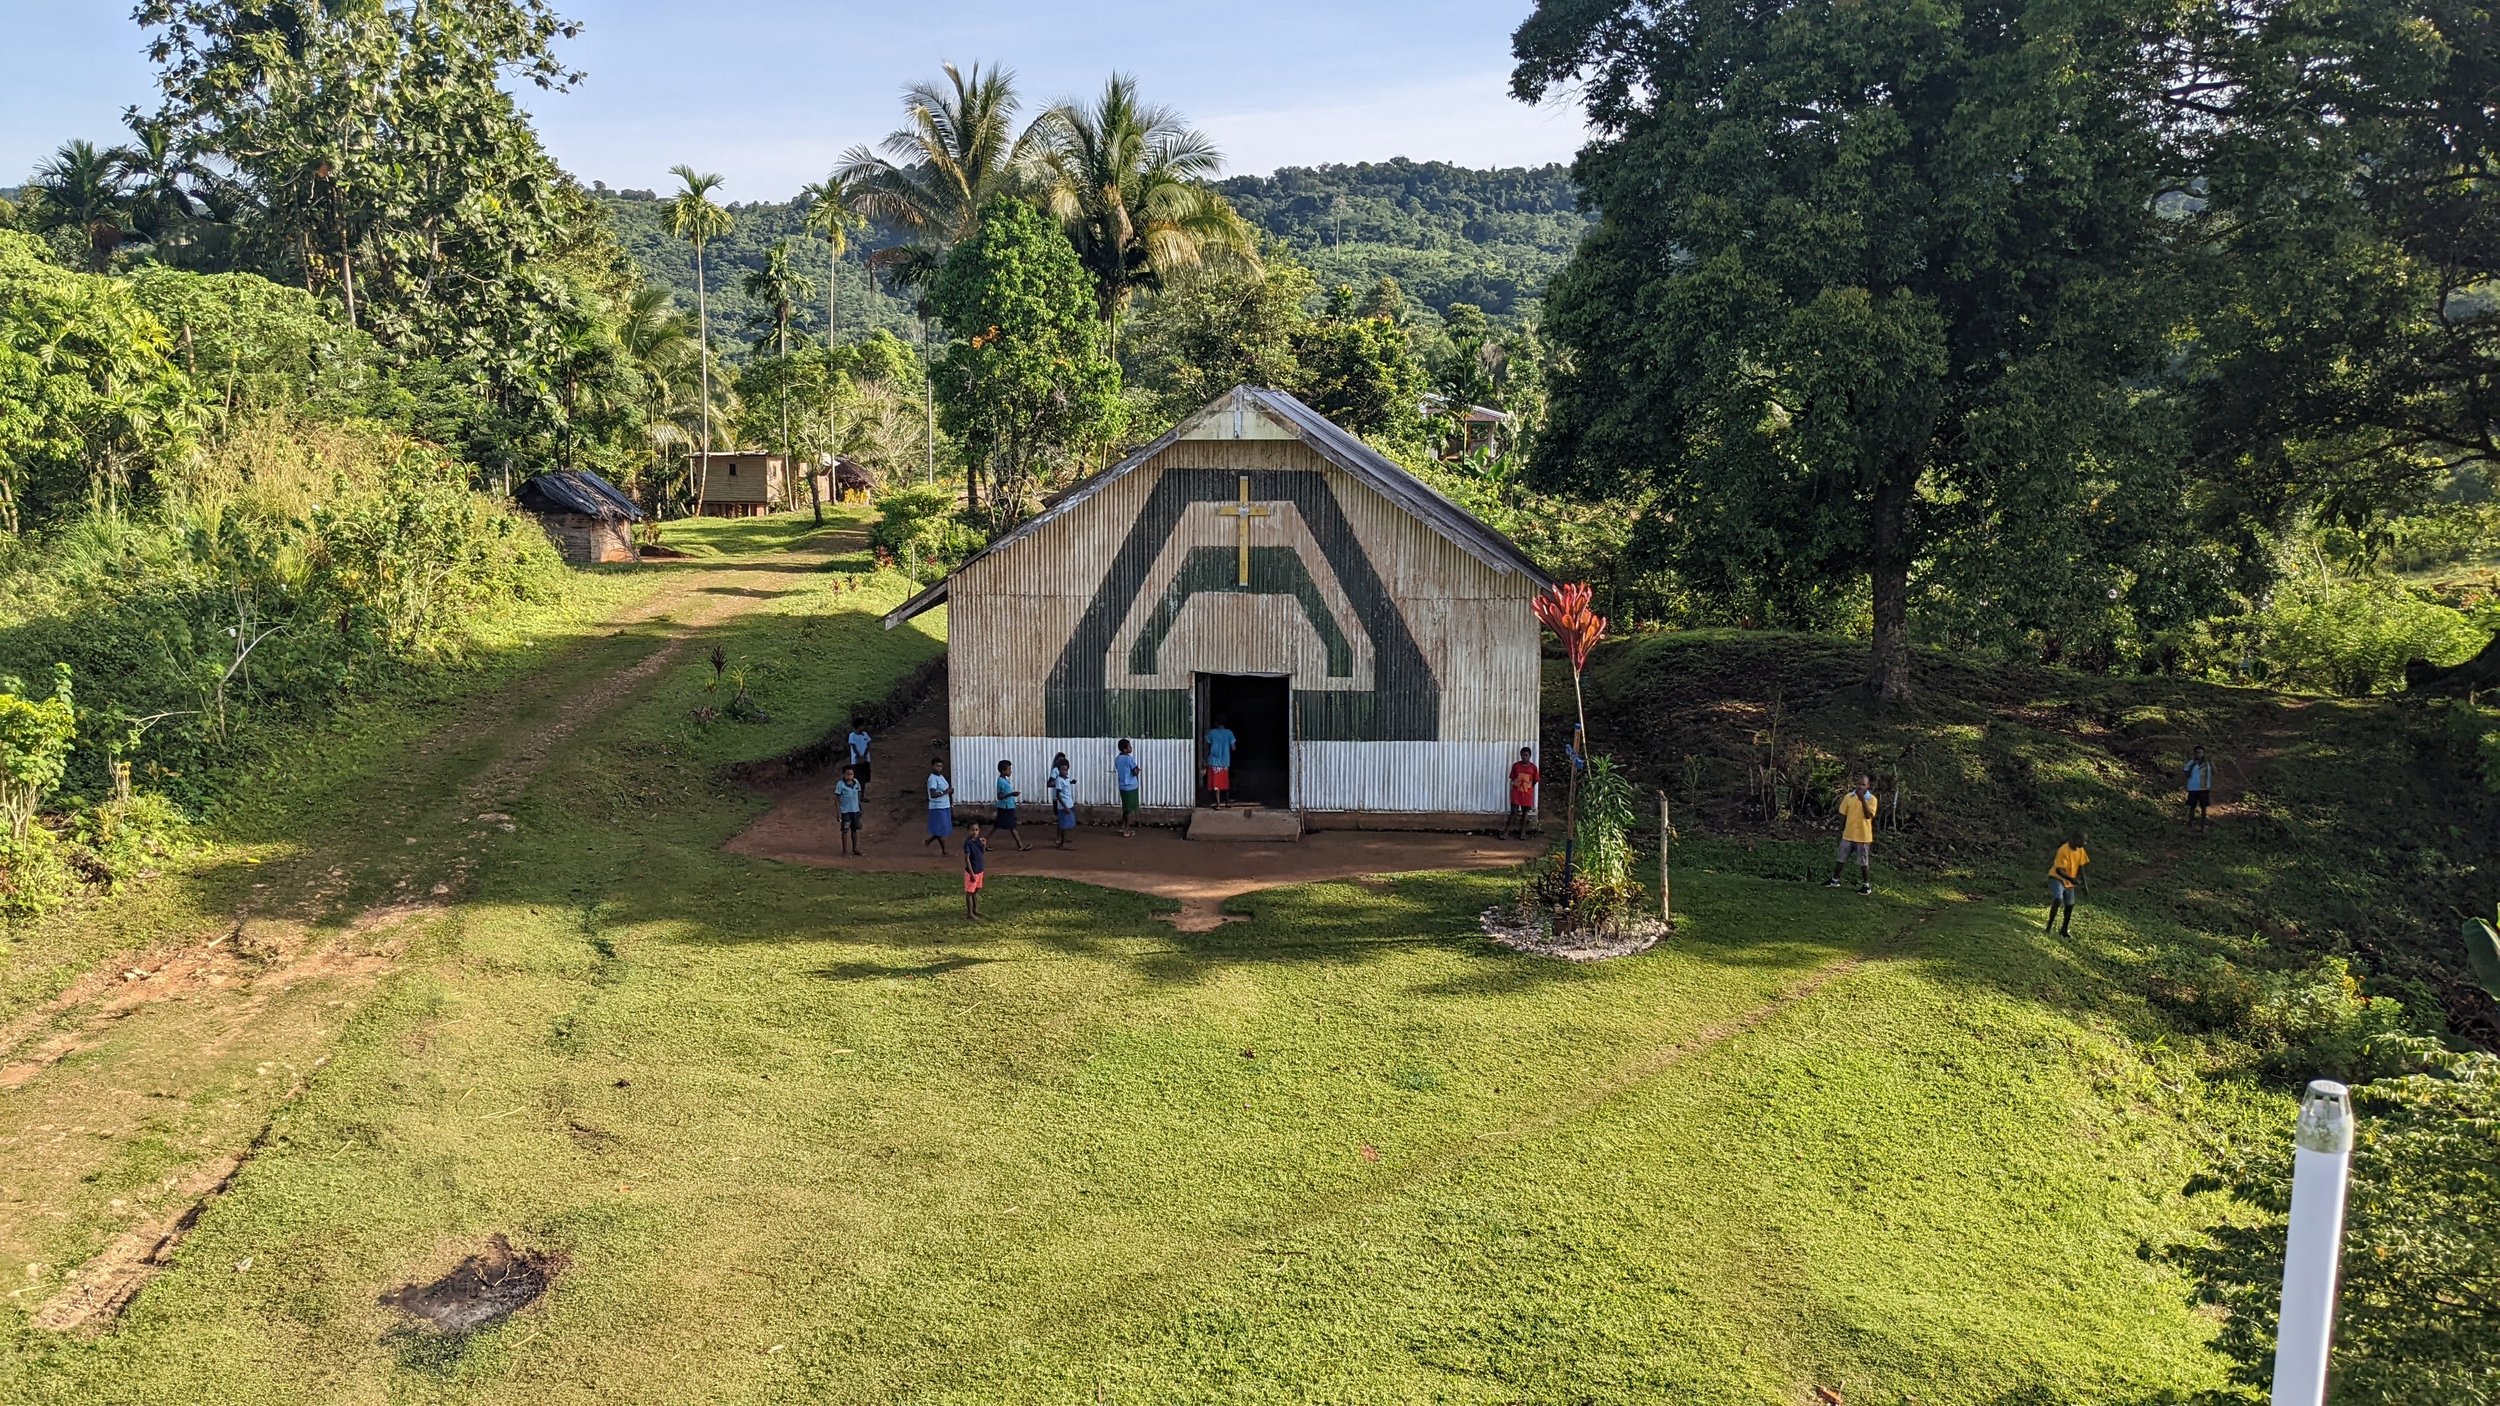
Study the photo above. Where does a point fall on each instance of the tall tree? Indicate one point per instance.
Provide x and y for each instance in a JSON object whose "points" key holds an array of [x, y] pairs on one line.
{"points": [[780, 288], [1868, 282], [829, 213], [83, 188], [370, 151], [1127, 181], [693, 218], [958, 150], [1028, 388]]}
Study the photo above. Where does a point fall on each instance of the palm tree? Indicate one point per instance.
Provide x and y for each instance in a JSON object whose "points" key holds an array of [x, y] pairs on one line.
{"points": [[82, 187], [958, 150], [660, 343], [829, 213], [694, 218], [780, 287], [160, 199], [1128, 182]]}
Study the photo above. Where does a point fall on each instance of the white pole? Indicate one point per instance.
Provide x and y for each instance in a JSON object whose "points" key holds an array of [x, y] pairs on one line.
{"points": [[2321, 1167]]}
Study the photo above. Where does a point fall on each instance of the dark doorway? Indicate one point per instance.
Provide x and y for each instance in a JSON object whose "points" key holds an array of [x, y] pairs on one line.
{"points": [[1259, 710]]}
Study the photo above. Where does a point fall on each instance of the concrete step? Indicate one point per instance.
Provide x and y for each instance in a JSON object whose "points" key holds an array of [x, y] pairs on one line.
{"points": [[1245, 823]]}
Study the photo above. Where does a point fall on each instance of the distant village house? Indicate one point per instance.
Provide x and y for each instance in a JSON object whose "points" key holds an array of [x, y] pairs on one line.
{"points": [[587, 517]]}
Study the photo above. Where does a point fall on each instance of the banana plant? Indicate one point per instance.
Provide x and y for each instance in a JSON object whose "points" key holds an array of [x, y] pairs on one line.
{"points": [[2482, 952]]}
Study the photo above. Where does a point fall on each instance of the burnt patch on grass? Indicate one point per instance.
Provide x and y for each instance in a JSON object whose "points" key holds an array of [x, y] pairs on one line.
{"points": [[481, 1291]]}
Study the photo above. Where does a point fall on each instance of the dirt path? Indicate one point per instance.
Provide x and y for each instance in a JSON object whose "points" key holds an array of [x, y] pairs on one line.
{"points": [[803, 828], [200, 1046]]}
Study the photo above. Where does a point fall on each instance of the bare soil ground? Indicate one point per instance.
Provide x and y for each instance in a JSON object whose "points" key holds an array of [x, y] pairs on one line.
{"points": [[1201, 876]]}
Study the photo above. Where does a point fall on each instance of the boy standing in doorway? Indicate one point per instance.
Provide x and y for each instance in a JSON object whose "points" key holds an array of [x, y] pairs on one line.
{"points": [[1857, 835], [1523, 779], [1220, 743], [976, 863], [846, 799], [2200, 787], [1129, 775]]}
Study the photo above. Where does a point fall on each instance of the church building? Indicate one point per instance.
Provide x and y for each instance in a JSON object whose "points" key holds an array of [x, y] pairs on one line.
{"points": [[1368, 642]]}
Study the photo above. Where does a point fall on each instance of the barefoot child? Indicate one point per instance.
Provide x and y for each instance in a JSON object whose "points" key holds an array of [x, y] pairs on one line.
{"points": [[1220, 743], [976, 861], [846, 798], [1125, 771], [1523, 779], [1003, 816], [2066, 882], [1063, 799], [941, 806]]}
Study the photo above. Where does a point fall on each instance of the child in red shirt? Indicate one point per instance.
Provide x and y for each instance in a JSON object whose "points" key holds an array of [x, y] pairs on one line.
{"points": [[1523, 780]]}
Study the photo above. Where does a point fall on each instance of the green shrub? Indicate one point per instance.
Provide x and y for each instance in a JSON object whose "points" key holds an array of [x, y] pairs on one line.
{"points": [[921, 532], [2355, 636], [2418, 1318], [2311, 1022], [123, 838], [34, 874]]}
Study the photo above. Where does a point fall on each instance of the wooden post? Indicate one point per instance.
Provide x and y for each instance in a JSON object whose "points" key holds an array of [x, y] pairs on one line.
{"points": [[1666, 904]]}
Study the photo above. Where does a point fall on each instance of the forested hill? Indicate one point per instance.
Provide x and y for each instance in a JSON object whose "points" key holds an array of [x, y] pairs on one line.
{"points": [[640, 220], [1448, 234]]}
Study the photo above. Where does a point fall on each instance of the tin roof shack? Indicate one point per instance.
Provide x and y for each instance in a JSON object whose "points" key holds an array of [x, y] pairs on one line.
{"points": [[745, 484], [586, 516], [1370, 645]]}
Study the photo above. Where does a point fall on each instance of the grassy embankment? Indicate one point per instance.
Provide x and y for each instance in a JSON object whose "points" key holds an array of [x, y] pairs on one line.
{"points": [[806, 1135]]}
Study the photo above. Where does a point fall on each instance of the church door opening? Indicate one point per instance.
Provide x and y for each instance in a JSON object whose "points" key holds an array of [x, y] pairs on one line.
{"points": [[1259, 710]]}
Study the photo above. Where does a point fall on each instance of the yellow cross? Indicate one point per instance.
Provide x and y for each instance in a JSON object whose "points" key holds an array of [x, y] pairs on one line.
{"points": [[1242, 512]]}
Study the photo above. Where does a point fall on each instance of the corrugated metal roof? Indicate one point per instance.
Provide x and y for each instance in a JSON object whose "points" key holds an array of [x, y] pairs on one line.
{"points": [[1367, 465], [578, 491]]}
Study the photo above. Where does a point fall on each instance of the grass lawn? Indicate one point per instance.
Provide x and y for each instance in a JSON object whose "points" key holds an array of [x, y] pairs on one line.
{"points": [[806, 1135]]}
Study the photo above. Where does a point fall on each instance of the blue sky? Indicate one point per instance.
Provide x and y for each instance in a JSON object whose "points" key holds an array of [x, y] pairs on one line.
{"points": [[769, 92]]}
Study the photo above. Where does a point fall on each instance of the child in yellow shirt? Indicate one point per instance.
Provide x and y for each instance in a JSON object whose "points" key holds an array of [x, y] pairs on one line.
{"points": [[2066, 882]]}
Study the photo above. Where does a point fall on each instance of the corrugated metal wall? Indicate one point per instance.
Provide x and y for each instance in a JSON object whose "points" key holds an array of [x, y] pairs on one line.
{"points": [[1168, 770], [1470, 634], [1389, 777]]}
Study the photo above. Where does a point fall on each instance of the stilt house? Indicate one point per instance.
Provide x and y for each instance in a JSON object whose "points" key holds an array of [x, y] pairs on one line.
{"points": [[744, 485], [1369, 642]]}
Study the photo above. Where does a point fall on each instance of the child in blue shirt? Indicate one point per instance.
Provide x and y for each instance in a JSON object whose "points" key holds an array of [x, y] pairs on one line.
{"points": [[846, 798], [1003, 815], [976, 866], [1063, 799], [1220, 741], [1125, 770]]}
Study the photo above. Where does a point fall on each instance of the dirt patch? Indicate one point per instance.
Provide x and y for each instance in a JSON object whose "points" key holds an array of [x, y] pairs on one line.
{"points": [[93, 1297], [482, 1291], [803, 827]]}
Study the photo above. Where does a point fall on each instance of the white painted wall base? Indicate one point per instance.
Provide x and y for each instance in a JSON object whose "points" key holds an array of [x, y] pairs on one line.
{"points": [[1378, 778]]}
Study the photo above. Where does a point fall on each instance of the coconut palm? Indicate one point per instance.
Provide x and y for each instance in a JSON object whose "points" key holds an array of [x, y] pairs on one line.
{"points": [[660, 343], [829, 213], [159, 178], [82, 187], [1128, 180], [694, 218], [958, 150], [780, 288]]}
